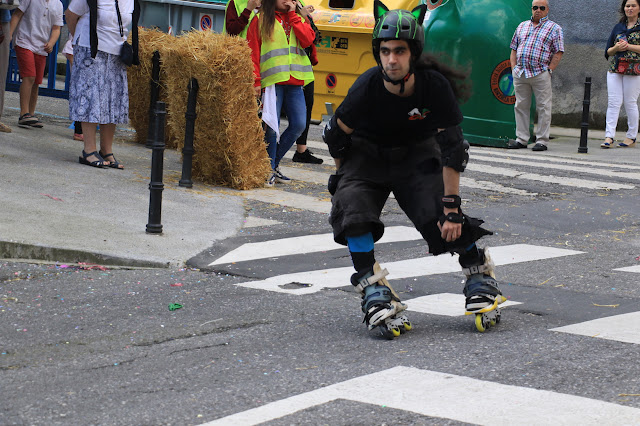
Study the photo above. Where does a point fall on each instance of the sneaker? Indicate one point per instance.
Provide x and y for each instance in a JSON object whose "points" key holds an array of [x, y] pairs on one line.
{"points": [[271, 181], [4, 128], [514, 144], [539, 147], [306, 157], [78, 137], [280, 177], [27, 120]]}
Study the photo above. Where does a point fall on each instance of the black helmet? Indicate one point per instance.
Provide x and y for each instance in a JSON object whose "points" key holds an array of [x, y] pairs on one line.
{"points": [[398, 24]]}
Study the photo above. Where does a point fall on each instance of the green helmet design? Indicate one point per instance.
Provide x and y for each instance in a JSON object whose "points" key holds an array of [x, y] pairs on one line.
{"points": [[398, 24]]}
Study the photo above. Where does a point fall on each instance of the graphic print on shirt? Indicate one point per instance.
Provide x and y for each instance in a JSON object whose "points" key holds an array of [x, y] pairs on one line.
{"points": [[415, 114]]}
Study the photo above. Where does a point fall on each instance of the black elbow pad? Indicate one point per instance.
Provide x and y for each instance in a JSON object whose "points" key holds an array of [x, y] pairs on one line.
{"points": [[454, 148], [336, 139]]}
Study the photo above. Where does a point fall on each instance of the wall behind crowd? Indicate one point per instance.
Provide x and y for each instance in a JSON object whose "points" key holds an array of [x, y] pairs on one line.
{"points": [[587, 25]]}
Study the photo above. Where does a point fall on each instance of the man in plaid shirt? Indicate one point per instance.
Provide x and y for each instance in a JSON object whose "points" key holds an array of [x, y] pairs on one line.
{"points": [[537, 47]]}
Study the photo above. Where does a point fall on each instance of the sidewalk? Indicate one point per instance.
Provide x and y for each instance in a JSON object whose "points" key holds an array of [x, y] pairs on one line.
{"points": [[52, 208]]}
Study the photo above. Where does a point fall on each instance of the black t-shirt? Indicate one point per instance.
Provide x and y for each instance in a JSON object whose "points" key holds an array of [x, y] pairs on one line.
{"points": [[382, 117]]}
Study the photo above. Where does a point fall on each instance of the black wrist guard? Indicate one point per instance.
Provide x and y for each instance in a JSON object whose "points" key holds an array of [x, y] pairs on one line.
{"points": [[452, 217], [451, 201]]}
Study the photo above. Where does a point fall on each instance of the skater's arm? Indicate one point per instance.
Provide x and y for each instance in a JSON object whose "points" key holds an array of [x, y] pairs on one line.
{"points": [[348, 130], [451, 178]]}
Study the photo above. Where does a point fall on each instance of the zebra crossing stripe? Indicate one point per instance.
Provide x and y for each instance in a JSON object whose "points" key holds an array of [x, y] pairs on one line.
{"points": [[559, 180], [306, 244], [622, 328], [635, 269], [313, 281], [445, 304], [590, 169], [448, 396], [288, 199], [548, 158]]}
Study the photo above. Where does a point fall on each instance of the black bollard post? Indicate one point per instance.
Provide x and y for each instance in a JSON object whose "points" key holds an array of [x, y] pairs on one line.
{"points": [[584, 126], [154, 92], [156, 186], [187, 149]]}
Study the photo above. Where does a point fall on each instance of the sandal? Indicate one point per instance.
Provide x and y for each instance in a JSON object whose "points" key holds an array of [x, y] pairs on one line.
{"points": [[627, 143], [608, 143], [114, 164], [99, 163], [27, 120]]}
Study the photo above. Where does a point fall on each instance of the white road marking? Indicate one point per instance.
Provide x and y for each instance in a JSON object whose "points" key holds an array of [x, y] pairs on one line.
{"points": [[590, 169], [314, 281], [448, 396], [635, 269], [306, 244], [558, 180], [492, 186], [446, 304], [547, 158], [303, 175], [288, 199], [254, 222], [622, 328]]}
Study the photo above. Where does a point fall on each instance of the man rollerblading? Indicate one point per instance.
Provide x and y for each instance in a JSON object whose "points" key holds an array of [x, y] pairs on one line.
{"points": [[398, 131]]}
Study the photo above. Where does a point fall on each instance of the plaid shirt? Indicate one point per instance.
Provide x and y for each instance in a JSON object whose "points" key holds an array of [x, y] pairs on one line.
{"points": [[535, 46]]}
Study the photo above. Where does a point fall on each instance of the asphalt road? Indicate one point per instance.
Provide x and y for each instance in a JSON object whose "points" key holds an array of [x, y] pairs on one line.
{"points": [[101, 345]]}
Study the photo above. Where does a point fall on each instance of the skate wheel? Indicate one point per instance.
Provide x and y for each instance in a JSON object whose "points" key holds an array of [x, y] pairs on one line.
{"points": [[407, 325], [389, 332], [480, 324]]}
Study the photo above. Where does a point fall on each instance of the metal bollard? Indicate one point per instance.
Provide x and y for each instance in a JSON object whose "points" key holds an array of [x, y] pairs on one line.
{"points": [[154, 93], [187, 149], [584, 126], [156, 186]]}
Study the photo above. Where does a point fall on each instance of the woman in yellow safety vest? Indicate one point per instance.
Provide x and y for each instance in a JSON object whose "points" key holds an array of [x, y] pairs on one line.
{"points": [[237, 16], [277, 37]]}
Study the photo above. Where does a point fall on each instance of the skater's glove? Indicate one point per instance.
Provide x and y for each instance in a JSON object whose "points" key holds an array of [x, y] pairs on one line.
{"points": [[332, 185]]}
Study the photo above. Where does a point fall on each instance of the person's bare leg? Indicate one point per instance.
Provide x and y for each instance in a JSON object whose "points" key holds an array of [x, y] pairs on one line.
{"points": [[107, 132], [25, 94], [90, 143]]}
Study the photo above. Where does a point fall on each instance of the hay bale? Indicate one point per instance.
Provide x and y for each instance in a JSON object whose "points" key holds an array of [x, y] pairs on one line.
{"points": [[228, 136], [139, 78]]}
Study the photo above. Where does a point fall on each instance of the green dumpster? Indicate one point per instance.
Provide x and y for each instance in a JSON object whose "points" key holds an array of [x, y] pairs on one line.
{"points": [[476, 34]]}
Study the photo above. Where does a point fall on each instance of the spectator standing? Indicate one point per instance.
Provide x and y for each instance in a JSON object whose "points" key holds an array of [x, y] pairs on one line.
{"points": [[237, 16], [5, 41], [303, 154], [98, 92], [35, 29], [537, 47], [623, 78], [277, 38], [67, 51]]}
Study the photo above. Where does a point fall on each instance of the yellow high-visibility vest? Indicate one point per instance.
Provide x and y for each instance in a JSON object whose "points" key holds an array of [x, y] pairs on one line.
{"points": [[278, 63], [240, 5]]}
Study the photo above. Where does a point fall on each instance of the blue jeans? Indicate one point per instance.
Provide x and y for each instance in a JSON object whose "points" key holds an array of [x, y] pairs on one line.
{"points": [[292, 97]]}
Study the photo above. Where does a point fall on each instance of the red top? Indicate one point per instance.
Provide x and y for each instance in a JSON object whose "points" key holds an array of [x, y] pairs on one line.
{"points": [[234, 23], [289, 20]]}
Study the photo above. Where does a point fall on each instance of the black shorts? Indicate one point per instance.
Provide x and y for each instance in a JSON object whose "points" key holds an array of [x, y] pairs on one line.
{"points": [[370, 172]]}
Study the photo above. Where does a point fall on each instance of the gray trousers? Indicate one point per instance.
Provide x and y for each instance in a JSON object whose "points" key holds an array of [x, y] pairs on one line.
{"points": [[525, 88]]}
